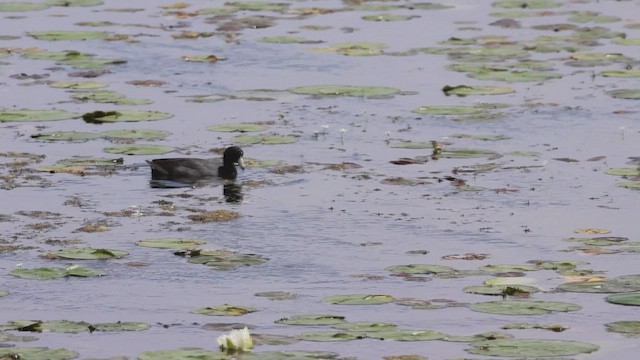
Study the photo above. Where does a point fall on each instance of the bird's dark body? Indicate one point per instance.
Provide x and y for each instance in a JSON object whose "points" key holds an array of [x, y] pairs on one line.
{"points": [[191, 170]]}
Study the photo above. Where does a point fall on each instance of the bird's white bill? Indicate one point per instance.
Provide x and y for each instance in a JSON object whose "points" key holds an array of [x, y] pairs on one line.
{"points": [[240, 163]]}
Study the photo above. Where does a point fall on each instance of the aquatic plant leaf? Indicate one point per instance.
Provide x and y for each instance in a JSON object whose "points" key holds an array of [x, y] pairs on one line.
{"points": [[65, 136], [630, 73], [38, 353], [65, 326], [515, 76], [408, 335], [183, 354], [501, 289], [68, 3], [124, 116], [108, 97], [265, 139], [258, 6], [465, 90], [87, 254], [3, 293], [355, 49], [509, 268], [55, 35], [481, 137], [21, 6], [456, 109], [121, 326], [389, 17], [277, 295], [344, 90], [243, 127], [146, 134], [523, 307], [630, 94], [627, 41], [78, 85], [271, 339], [327, 336], [531, 348], [523, 326], [451, 153], [492, 335], [499, 281], [632, 299], [635, 185], [365, 327], [590, 16], [140, 149], [420, 269], [24, 115], [287, 40], [313, 319], [43, 273], [171, 243], [627, 328], [203, 58], [623, 171], [358, 299], [224, 310], [526, 4], [214, 216], [293, 354]]}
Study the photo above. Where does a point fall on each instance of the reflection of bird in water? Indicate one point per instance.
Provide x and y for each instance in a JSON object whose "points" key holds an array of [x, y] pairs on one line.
{"points": [[191, 170], [232, 193]]}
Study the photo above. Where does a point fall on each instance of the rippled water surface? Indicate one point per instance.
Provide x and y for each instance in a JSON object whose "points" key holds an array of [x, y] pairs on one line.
{"points": [[325, 230]]}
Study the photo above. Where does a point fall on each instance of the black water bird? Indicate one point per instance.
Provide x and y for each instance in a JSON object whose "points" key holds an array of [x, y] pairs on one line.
{"points": [[191, 170]]}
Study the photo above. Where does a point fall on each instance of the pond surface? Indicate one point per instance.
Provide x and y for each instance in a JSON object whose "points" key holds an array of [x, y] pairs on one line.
{"points": [[330, 211]]}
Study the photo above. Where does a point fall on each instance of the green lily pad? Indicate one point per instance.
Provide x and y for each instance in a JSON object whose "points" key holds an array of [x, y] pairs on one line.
{"points": [[146, 134], [277, 295], [523, 307], [21, 6], [69, 3], [265, 139], [109, 97], [65, 326], [183, 354], [358, 299], [409, 335], [499, 281], [456, 109], [245, 127], [34, 115], [3, 293], [125, 116], [292, 354], [121, 326], [486, 137], [590, 16], [531, 348], [623, 171], [366, 327], [171, 243], [509, 268], [313, 319], [526, 4], [286, 40], [501, 289], [388, 17], [87, 254], [270, 339], [259, 6], [78, 85], [345, 90], [224, 310], [327, 336], [631, 94], [627, 41], [55, 273], [631, 73], [620, 284], [38, 353], [420, 269], [65, 136], [524, 326], [632, 299], [226, 259], [355, 48], [635, 185], [140, 149], [56, 35], [203, 58], [492, 335], [515, 76], [465, 90], [629, 328]]}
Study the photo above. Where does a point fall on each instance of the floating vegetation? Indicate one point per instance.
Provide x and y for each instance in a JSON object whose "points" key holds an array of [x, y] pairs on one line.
{"points": [[242, 128], [313, 319], [265, 139], [73, 327], [466, 90], [86, 254], [355, 49], [628, 328], [139, 149], [277, 295], [629, 94], [22, 6], [38, 353], [327, 336], [345, 90], [108, 97], [65, 136], [68, 35], [524, 326], [224, 310], [55, 273], [288, 40], [221, 259], [358, 299], [631, 299], [34, 115], [523, 307], [214, 216], [531, 348], [171, 243]]}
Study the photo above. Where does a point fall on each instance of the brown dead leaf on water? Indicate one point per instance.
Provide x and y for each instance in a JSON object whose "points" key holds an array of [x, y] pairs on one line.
{"points": [[467, 256], [214, 216]]}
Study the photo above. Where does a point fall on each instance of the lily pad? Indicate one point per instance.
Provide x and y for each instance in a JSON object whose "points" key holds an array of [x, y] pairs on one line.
{"points": [[358, 299], [225, 259], [65, 326], [55, 273], [170, 243], [389, 17], [355, 49], [526, 4], [515, 76], [109, 97], [244, 127], [632, 299], [531, 348], [635, 185], [38, 353], [68, 3], [125, 116], [629, 328], [224, 310], [630, 73], [34, 115], [3, 293], [146, 134], [466, 90], [327, 336], [121, 326], [313, 319], [292, 354], [183, 354], [140, 149], [630, 94], [501, 290], [78, 85], [366, 327], [65, 136], [523, 307], [624, 171], [277, 295], [287, 40], [87, 254], [56, 35], [620, 284], [265, 139], [258, 6], [345, 90], [408, 335], [420, 269], [21, 6], [453, 109]]}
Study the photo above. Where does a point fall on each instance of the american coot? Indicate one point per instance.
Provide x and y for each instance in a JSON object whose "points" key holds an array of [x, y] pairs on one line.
{"points": [[189, 170]]}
